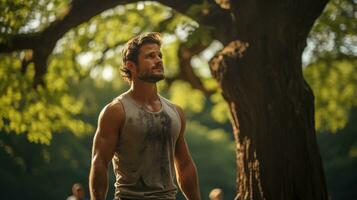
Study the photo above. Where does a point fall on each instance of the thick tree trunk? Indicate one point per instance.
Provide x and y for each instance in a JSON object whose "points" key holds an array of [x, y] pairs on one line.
{"points": [[271, 104]]}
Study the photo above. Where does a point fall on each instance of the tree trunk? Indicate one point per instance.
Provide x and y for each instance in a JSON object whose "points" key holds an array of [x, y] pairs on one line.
{"points": [[271, 104]]}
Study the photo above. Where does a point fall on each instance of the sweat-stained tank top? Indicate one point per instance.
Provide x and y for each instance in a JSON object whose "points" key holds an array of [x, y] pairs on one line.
{"points": [[144, 158]]}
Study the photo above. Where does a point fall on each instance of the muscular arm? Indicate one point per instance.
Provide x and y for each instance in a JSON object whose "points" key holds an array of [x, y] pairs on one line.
{"points": [[185, 168], [104, 144]]}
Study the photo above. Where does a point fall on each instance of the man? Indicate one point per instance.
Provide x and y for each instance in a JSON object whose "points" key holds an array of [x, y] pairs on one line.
{"points": [[77, 192], [144, 132]]}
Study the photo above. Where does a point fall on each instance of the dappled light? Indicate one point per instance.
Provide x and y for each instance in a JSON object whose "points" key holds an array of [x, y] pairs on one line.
{"points": [[248, 108]]}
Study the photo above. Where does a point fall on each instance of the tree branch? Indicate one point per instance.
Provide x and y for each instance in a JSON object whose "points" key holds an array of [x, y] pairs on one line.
{"points": [[179, 6], [78, 12], [186, 71], [19, 42]]}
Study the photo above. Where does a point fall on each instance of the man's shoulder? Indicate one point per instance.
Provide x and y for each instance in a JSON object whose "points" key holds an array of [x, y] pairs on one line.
{"points": [[116, 104], [113, 109]]}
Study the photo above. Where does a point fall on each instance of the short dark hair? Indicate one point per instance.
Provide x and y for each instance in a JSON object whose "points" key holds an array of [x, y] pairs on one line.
{"points": [[131, 49]]}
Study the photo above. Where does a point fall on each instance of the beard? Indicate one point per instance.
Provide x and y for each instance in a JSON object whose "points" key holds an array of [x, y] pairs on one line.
{"points": [[147, 76]]}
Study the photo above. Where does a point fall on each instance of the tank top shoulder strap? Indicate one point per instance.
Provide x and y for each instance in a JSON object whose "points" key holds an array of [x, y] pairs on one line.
{"points": [[169, 104], [123, 98], [128, 105]]}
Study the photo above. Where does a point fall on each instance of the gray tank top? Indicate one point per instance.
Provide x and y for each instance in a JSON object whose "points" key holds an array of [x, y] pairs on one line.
{"points": [[144, 158]]}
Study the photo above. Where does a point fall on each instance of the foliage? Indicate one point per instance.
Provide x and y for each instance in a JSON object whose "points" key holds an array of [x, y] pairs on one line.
{"points": [[28, 16], [334, 33], [335, 90], [214, 155], [10, 21], [39, 112], [35, 171], [339, 155], [331, 64], [193, 102]]}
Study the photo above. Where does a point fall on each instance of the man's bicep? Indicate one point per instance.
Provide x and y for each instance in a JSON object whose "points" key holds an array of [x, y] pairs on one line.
{"points": [[103, 146], [106, 136], [182, 153]]}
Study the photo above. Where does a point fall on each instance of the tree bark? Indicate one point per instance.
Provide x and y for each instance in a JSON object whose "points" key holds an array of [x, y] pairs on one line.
{"points": [[271, 104]]}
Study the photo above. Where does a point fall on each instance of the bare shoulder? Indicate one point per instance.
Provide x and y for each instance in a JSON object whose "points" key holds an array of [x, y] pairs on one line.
{"points": [[112, 112], [114, 108]]}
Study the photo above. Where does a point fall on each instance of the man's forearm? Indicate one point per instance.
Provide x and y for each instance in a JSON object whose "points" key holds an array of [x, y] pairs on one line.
{"points": [[188, 181], [98, 182]]}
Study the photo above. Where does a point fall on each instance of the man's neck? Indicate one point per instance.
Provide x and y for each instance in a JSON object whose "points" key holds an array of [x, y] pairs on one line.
{"points": [[144, 92]]}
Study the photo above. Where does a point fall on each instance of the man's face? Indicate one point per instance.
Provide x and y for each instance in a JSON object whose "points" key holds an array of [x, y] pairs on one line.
{"points": [[150, 67]]}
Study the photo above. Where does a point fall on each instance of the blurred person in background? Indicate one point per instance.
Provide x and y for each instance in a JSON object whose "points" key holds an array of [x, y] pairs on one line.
{"points": [[77, 192], [216, 194]]}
